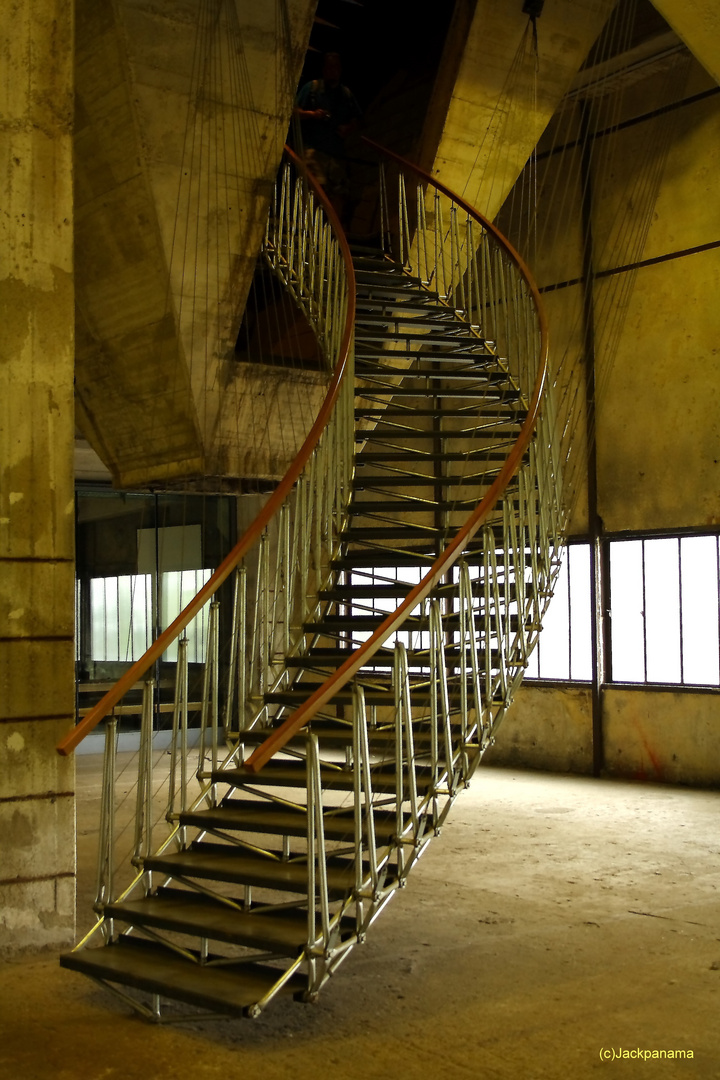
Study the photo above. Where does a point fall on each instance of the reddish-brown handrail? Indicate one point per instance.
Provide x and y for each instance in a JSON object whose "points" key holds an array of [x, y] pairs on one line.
{"points": [[278, 739], [271, 508]]}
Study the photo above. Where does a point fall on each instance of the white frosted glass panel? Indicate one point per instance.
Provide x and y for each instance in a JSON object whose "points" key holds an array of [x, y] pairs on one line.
{"points": [[177, 590], [700, 646], [554, 656], [627, 611], [580, 612], [531, 671], [120, 617], [662, 611]]}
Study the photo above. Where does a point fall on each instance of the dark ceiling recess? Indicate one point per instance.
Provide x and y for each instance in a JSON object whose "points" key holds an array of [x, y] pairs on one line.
{"points": [[379, 40]]}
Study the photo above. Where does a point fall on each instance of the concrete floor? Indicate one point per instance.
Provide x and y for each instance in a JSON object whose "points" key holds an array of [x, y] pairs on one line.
{"points": [[554, 919]]}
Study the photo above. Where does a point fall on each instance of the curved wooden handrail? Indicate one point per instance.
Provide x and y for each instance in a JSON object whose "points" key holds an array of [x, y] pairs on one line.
{"points": [[277, 740], [271, 508]]}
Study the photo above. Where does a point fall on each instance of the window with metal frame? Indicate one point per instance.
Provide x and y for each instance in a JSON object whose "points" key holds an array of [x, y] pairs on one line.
{"points": [[564, 649], [665, 610]]}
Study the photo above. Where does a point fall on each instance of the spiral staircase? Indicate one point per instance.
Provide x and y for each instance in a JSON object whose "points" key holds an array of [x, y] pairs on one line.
{"points": [[393, 609]]}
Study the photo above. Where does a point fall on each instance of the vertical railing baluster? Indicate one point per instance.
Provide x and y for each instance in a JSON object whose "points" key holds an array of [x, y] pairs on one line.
{"points": [[384, 214], [242, 659], [178, 743], [144, 790], [213, 635], [360, 713], [358, 707], [441, 687], [104, 884], [232, 659], [311, 810]]}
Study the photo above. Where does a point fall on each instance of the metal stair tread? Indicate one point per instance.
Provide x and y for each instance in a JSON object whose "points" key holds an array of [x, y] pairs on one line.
{"points": [[409, 411], [400, 478], [262, 816], [148, 966], [185, 912], [408, 506], [288, 774], [368, 367], [225, 862], [483, 394]]}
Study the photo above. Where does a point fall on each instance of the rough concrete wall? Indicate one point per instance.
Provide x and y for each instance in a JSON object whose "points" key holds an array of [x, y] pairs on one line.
{"points": [[650, 735], [37, 812], [547, 729], [179, 138], [494, 118], [673, 738], [658, 428], [697, 22], [133, 390], [658, 437]]}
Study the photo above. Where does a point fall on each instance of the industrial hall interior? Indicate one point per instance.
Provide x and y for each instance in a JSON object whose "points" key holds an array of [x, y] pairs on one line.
{"points": [[359, 538]]}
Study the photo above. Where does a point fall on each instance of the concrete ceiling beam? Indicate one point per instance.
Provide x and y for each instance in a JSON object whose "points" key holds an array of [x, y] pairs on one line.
{"points": [[501, 100], [174, 163], [697, 22]]}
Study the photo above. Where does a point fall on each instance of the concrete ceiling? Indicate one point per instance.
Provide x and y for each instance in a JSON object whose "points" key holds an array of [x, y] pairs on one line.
{"points": [[697, 22], [162, 267], [496, 111]]}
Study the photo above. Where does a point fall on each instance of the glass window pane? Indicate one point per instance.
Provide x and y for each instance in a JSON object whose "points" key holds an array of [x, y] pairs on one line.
{"points": [[662, 610], [555, 634], [627, 627], [177, 588], [580, 612], [700, 646]]}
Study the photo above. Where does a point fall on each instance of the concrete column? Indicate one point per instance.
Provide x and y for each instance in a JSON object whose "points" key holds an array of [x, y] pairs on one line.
{"points": [[37, 808]]}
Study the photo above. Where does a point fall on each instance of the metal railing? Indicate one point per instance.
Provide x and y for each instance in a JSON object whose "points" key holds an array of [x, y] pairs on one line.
{"points": [[289, 546], [437, 237]]}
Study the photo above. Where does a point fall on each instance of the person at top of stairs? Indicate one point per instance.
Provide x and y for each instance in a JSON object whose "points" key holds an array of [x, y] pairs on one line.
{"points": [[328, 113]]}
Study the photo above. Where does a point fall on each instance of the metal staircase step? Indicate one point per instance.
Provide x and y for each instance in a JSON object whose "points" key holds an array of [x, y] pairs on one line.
{"points": [[385, 429], [374, 314], [389, 273], [459, 392], [398, 453], [145, 965], [367, 368], [386, 333], [408, 410], [296, 697], [407, 505], [408, 531], [413, 302], [374, 695], [400, 478], [262, 816], [227, 863], [365, 558], [293, 774], [187, 912], [383, 660]]}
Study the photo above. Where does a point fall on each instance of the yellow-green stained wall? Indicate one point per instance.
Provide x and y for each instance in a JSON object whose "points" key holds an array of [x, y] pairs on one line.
{"points": [[658, 400], [37, 591]]}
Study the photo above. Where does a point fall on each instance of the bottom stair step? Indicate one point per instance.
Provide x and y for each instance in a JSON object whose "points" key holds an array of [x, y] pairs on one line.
{"points": [[143, 965]]}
